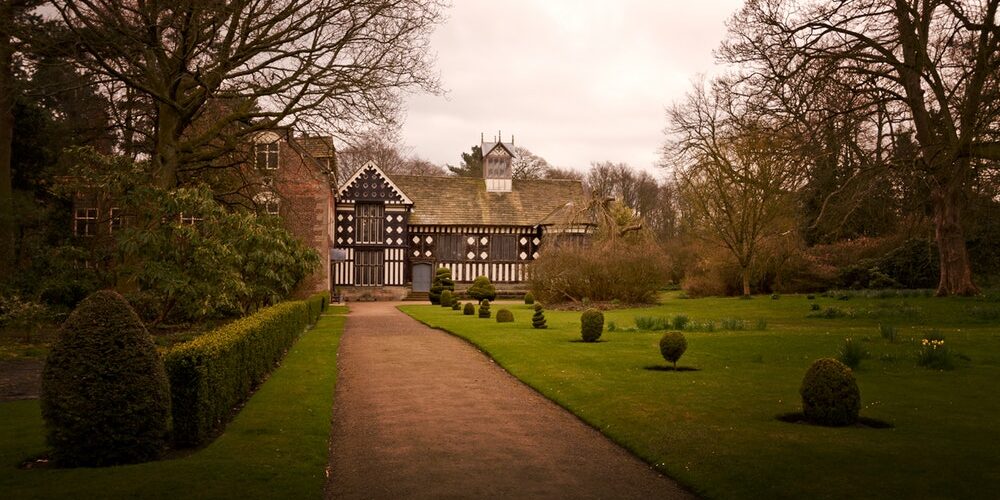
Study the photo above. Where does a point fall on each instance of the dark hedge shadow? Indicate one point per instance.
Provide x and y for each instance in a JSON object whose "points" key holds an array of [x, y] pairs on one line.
{"points": [[668, 368], [864, 422]]}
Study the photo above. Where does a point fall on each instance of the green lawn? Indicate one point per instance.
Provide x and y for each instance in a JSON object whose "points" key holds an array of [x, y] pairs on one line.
{"points": [[715, 430], [275, 448]]}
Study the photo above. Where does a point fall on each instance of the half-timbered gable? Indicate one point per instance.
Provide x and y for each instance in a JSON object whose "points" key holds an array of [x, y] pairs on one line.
{"points": [[394, 230]]}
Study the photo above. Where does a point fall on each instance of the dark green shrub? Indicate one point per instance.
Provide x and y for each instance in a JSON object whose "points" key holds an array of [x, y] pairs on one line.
{"points": [[672, 346], [538, 319], [852, 353], [105, 395], [446, 298], [442, 281], [811, 297], [775, 296], [482, 289], [680, 321], [484, 309], [591, 325], [469, 309], [830, 394], [505, 316], [213, 373], [529, 298], [814, 307], [455, 305], [317, 304]]}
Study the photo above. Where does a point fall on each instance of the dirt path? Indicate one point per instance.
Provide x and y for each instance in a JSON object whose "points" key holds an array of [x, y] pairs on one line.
{"points": [[420, 413]]}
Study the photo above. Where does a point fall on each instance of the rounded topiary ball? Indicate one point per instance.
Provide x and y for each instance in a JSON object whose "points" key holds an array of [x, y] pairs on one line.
{"points": [[105, 395], [591, 325], [505, 316], [830, 394], [529, 298], [672, 346], [538, 319], [455, 305], [468, 309]]}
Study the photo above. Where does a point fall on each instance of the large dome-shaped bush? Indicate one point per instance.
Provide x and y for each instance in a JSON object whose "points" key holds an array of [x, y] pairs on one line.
{"points": [[105, 395], [830, 394]]}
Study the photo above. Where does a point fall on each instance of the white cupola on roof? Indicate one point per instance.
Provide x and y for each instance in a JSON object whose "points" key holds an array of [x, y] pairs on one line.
{"points": [[497, 168]]}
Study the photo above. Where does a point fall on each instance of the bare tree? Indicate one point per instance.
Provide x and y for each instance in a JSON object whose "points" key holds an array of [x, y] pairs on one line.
{"points": [[736, 178], [931, 64], [527, 165], [384, 149], [325, 65]]}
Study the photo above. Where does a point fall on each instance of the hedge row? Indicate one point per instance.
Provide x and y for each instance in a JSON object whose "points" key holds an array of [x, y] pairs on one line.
{"points": [[213, 373]]}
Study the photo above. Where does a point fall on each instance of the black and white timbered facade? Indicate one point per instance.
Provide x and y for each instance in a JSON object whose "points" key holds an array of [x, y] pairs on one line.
{"points": [[394, 230]]}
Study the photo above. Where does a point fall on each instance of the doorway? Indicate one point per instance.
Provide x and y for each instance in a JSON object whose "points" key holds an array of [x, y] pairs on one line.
{"points": [[421, 277]]}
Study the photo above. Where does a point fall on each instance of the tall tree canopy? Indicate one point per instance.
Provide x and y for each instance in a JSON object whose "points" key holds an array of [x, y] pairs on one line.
{"points": [[930, 66], [215, 72]]}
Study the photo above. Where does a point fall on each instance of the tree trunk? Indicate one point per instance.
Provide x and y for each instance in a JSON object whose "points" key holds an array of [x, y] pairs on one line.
{"points": [[6, 143], [165, 162], [956, 273], [746, 281]]}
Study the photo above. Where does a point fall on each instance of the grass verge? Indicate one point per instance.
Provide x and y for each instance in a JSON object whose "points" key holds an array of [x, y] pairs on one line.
{"points": [[715, 428], [277, 447]]}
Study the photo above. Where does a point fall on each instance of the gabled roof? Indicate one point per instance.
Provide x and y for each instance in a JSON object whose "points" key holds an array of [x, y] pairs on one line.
{"points": [[487, 147], [318, 146], [441, 200], [371, 172]]}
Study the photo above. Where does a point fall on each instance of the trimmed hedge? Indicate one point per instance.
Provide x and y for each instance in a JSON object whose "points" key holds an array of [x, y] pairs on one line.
{"points": [[538, 319], [213, 373], [484, 309], [672, 346], [468, 309], [830, 394]]}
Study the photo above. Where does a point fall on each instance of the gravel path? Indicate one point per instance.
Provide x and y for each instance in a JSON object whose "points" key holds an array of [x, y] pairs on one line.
{"points": [[420, 413]]}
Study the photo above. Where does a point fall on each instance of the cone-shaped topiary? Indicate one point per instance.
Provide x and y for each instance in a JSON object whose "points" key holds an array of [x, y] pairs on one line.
{"points": [[484, 309], [529, 298], [591, 325], [469, 309], [105, 395], [672, 346], [456, 305], [482, 289], [830, 394], [538, 319], [442, 281], [505, 316], [446, 298]]}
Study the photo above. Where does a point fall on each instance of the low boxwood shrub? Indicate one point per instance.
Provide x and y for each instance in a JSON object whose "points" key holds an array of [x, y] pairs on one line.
{"points": [[591, 325], [213, 373], [529, 298], [105, 396], [505, 316], [456, 305], [442, 281], [446, 298], [830, 394], [672, 346], [469, 309], [484, 309], [538, 319], [317, 305]]}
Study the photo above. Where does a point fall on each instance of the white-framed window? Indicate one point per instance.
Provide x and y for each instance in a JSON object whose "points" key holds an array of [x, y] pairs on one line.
{"points": [[115, 220], [85, 222], [369, 221], [265, 155], [189, 219]]}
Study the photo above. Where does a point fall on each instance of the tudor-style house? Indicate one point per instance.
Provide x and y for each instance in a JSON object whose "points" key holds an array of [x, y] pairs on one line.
{"points": [[392, 231]]}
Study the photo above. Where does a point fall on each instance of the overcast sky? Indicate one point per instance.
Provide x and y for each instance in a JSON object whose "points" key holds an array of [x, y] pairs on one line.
{"points": [[574, 81]]}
